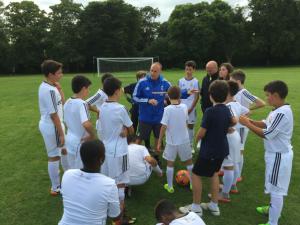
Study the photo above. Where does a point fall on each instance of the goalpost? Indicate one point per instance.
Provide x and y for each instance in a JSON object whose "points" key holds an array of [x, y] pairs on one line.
{"points": [[123, 64]]}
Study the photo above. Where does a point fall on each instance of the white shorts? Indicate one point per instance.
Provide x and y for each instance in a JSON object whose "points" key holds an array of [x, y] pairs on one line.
{"points": [[73, 145], [116, 168], [192, 117], [139, 180], [278, 172], [234, 142], [184, 151], [243, 134], [51, 138]]}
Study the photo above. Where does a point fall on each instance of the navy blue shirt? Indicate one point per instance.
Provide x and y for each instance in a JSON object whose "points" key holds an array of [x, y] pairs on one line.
{"points": [[216, 120]]}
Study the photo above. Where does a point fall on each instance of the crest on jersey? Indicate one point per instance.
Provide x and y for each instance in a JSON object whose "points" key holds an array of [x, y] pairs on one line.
{"points": [[147, 88]]}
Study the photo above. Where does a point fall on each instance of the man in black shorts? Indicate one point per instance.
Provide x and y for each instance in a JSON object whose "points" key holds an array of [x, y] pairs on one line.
{"points": [[214, 148]]}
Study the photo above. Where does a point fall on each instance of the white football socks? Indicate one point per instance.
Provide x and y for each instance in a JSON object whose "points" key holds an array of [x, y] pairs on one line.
{"points": [[64, 162], [190, 168], [53, 170], [275, 209], [157, 169], [227, 180], [170, 174], [241, 165], [236, 173]]}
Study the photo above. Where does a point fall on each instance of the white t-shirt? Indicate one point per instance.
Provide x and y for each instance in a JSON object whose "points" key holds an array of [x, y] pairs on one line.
{"points": [[88, 198], [97, 99], [76, 113], [185, 84], [245, 98], [50, 102], [237, 110], [113, 117], [190, 219], [138, 166], [279, 130], [175, 118]]}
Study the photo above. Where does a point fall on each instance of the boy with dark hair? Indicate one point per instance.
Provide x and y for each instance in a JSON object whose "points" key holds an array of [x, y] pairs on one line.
{"points": [[95, 101], [167, 214], [214, 148], [51, 100], [174, 124], [246, 99], [188, 82], [277, 131], [88, 196], [113, 120], [77, 119]]}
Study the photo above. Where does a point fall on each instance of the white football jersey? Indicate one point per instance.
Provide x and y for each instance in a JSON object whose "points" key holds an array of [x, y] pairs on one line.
{"points": [[113, 117], [138, 166], [190, 219], [50, 102], [237, 110], [76, 113], [175, 118], [245, 98], [279, 130], [97, 99], [88, 198], [185, 84]]}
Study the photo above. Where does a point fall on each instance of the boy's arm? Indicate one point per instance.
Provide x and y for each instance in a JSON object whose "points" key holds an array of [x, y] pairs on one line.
{"points": [[194, 102], [201, 134], [151, 160], [258, 103], [88, 126], [94, 109], [255, 129], [57, 123], [259, 124], [161, 135], [58, 87]]}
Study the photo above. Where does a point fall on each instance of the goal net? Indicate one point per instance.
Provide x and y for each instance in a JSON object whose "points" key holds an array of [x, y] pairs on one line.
{"points": [[105, 65]]}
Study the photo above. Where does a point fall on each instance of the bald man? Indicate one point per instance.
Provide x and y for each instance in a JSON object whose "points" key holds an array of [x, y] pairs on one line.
{"points": [[149, 93], [212, 74]]}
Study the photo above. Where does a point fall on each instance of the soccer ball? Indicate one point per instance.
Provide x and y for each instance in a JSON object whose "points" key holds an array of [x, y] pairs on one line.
{"points": [[183, 177]]}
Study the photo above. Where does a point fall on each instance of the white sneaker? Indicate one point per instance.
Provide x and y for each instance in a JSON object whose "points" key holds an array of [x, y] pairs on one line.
{"points": [[206, 206], [188, 208]]}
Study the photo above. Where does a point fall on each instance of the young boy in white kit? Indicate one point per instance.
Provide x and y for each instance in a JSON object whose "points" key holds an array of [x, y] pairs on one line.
{"points": [[174, 124]]}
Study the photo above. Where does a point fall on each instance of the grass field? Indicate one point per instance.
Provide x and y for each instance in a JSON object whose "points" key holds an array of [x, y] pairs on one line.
{"points": [[25, 184]]}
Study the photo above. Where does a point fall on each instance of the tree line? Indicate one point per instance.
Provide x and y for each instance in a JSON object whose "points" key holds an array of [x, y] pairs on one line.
{"points": [[266, 32]]}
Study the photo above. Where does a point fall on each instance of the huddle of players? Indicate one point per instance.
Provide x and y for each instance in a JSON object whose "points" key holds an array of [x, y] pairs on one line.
{"points": [[220, 141]]}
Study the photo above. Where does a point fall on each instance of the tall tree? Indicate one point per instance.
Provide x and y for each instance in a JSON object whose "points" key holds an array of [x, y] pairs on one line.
{"points": [[109, 29], [64, 36], [4, 47], [27, 29], [149, 26], [275, 27]]}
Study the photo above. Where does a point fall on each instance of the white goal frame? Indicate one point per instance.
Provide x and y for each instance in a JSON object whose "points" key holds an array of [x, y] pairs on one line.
{"points": [[118, 59]]}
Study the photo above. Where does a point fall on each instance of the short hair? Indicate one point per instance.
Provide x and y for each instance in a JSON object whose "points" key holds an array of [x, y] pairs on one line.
{"points": [[50, 66], [131, 138], [91, 152], [111, 84], [105, 76], [164, 207], [140, 74], [277, 86], [78, 82], [174, 92], [233, 87], [239, 75], [229, 68], [218, 90], [191, 63]]}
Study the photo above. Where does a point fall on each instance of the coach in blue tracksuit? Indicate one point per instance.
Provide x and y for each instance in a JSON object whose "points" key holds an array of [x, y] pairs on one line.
{"points": [[150, 93]]}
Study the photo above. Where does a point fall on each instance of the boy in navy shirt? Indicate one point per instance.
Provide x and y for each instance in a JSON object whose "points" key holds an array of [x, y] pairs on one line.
{"points": [[214, 148]]}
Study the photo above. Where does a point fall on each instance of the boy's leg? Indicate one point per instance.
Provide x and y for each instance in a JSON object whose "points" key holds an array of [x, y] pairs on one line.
{"points": [[215, 188], [64, 159], [170, 173], [53, 170], [191, 134], [241, 164], [275, 209], [189, 166], [197, 189]]}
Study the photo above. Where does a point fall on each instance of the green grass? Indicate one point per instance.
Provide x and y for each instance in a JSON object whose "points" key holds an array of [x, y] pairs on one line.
{"points": [[23, 163]]}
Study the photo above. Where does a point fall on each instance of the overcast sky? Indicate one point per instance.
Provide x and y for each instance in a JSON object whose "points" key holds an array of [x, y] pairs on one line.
{"points": [[165, 6]]}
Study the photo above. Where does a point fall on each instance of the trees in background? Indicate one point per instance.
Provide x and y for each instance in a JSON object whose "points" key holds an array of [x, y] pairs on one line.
{"points": [[267, 32]]}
